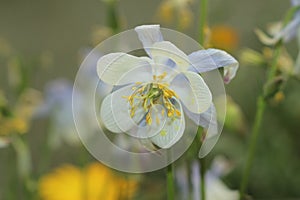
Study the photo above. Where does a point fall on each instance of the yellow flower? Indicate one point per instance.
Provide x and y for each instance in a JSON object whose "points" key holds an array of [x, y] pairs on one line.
{"points": [[177, 11], [95, 182], [101, 33], [224, 37], [14, 124], [17, 120]]}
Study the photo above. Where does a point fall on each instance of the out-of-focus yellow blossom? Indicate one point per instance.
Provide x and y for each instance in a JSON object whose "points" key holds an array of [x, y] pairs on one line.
{"points": [[12, 125], [5, 48], [176, 11], [95, 182], [278, 98], [251, 57], [223, 37], [285, 61], [101, 33], [17, 120]]}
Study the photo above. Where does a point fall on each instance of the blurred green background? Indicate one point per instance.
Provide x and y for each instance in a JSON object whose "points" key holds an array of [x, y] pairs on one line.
{"points": [[50, 34]]}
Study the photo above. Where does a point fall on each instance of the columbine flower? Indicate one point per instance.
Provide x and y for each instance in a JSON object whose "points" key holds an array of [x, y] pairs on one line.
{"points": [[154, 92], [93, 182], [290, 30], [286, 33]]}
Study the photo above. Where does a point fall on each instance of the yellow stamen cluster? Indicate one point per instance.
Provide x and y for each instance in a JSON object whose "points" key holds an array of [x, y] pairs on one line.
{"points": [[146, 96]]}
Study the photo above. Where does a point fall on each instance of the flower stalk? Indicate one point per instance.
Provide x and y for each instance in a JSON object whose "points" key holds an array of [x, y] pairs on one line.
{"points": [[261, 106], [170, 181], [202, 23], [203, 16]]}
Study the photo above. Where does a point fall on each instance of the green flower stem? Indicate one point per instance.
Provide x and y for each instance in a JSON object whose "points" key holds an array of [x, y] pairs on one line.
{"points": [[261, 106], [170, 181], [24, 164], [202, 175], [112, 15], [202, 23], [202, 165]]}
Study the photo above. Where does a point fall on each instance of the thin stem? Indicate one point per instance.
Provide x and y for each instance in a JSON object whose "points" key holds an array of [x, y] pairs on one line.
{"points": [[260, 109], [202, 175], [202, 23], [202, 165], [112, 16], [170, 181]]}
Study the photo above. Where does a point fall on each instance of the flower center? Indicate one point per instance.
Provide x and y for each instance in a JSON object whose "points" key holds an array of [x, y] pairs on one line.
{"points": [[148, 95]]}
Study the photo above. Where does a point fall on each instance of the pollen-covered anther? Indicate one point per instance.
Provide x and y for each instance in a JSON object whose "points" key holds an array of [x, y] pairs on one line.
{"points": [[132, 112], [161, 77], [171, 113], [162, 112], [148, 119], [178, 113], [157, 120]]}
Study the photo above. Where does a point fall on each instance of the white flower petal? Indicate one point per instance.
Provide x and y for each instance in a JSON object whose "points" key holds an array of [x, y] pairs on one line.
{"points": [[206, 119], [192, 91], [295, 2], [266, 39], [107, 115], [210, 59], [115, 111], [166, 49], [171, 132], [112, 67], [148, 35], [289, 32], [168, 71], [149, 130]]}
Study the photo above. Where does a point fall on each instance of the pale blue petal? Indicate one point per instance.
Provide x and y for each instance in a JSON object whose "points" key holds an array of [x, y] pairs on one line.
{"points": [[166, 50], [295, 2], [204, 119], [208, 120], [192, 91], [148, 35], [289, 32], [211, 59]]}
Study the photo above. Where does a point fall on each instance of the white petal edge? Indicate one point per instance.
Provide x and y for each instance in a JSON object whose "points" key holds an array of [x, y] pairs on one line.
{"points": [[210, 59], [208, 120], [115, 111], [171, 132], [148, 131], [166, 49], [192, 91], [148, 35], [289, 32], [111, 67], [295, 2]]}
